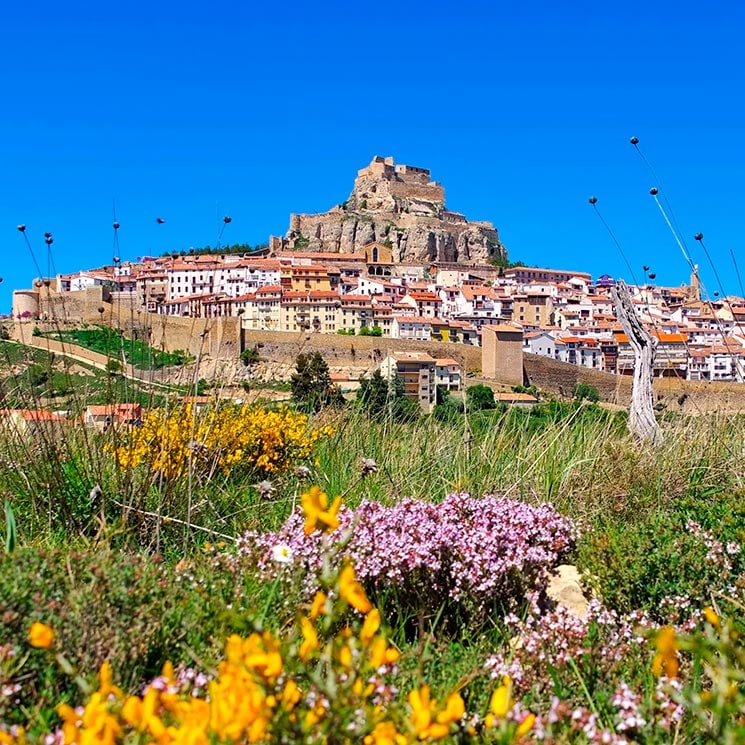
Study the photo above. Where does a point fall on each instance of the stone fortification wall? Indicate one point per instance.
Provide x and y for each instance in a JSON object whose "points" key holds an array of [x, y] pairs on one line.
{"points": [[214, 337], [217, 338], [362, 353], [561, 378]]}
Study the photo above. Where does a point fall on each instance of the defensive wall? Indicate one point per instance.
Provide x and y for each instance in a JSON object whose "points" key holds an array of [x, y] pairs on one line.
{"points": [[352, 351]]}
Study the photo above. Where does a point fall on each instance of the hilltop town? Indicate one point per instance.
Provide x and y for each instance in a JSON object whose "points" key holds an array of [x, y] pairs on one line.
{"points": [[393, 262]]}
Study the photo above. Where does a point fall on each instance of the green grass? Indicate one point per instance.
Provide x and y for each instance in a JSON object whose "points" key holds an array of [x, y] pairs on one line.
{"points": [[114, 344]]}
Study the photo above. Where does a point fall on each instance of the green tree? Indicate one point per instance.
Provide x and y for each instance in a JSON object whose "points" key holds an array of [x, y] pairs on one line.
{"points": [[379, 396], [311, 383], [480, 397]]}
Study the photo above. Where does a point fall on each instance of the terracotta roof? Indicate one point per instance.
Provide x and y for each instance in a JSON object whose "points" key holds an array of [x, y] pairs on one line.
{"points": [[507, 397]]}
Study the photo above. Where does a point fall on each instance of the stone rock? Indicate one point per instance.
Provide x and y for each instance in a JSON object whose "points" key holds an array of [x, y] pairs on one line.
{"points": [[400, 206], [564, 588]]}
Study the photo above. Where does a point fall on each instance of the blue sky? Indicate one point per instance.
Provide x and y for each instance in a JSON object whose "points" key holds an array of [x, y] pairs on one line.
{"points": [[521, 110]]}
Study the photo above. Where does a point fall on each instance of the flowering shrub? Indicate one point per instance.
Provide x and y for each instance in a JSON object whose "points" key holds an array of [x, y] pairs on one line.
{"points": [[586, 695], [462, 556], [224, 438], [327, 682]]}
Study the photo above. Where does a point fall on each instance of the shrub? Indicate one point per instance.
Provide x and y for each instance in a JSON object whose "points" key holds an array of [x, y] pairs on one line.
{"points": [[36, 375], [480, 397], [379, 396], [311, 382], [668, 565], [250, 356], [457, 561], [329, 680], [224, 439], [584, 391]]}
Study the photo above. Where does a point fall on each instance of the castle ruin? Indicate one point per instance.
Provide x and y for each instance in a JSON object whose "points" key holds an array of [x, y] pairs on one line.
{"points": [[398, 206]]}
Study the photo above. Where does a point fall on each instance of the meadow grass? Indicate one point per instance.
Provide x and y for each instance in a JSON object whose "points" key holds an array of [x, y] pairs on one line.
{"points": [[660, 531]]}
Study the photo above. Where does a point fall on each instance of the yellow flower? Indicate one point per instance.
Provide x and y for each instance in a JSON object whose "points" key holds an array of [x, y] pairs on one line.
{"points": [[712, 617], [665, 662], [318, 607], [352, 591], [453, 711], [381, 653], [318, 514], [40, 635], [501, 703], [385, 733], [370, 626], [310, 639], [290, 695], [525, 726], [345, 657], [421, 710]]}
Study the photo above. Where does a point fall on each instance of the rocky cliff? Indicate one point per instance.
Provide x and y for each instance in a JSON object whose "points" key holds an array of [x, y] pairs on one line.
{"points": [[399, 206]]}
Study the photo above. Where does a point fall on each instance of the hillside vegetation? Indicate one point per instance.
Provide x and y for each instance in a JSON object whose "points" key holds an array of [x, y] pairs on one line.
{"points": [[259, 573]]}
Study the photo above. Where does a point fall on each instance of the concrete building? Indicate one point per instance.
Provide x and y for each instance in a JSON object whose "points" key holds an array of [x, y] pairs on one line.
{"points": [[417, 370]]}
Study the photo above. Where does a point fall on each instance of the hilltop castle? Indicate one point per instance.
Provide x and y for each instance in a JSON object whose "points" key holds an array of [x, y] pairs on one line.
{"points": [[401, 207]]}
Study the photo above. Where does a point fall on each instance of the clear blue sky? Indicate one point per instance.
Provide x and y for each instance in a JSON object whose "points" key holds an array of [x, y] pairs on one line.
{"points": [[522, 110]]}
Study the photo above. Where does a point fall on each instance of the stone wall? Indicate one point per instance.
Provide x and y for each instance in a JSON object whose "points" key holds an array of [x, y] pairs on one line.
{"points": [[363, 353], [561, 378]]}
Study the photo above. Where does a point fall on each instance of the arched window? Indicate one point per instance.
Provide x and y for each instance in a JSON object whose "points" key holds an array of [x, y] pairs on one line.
{"points": [[375, 254]]}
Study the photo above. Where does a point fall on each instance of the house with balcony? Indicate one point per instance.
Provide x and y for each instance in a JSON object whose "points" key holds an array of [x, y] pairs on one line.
{"points": [[417, 370], [448, 374]]}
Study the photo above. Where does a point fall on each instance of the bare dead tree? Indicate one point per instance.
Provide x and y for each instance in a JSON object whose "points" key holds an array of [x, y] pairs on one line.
{"points": [[642, 422]]}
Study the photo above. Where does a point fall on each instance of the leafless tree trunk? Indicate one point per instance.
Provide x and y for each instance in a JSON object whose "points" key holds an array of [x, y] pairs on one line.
{"points": [[642, 422]]}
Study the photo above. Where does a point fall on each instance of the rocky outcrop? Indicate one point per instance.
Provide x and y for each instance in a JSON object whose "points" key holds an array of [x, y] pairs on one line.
{"points": [[565, 588], [400, 207]]}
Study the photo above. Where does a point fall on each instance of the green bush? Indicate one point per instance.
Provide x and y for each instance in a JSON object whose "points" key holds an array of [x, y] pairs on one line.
{"points": [[480, 397], [134, 611], [250, 356], [584, 391]]}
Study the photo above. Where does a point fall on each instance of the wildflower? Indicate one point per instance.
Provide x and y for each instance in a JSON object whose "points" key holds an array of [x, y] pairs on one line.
{"points": [[310, 639], [40, 635], [265, 489], [453, 711], [666, 660], [381, 654], [352, 591], [501, 703], [712, 617], [421, 711], [425, 723], [318, 514], [282, 554], [370, 626], [318, 607], [302, 472], [291, 695], [385, 733], [525, 726], [368, 466]]}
